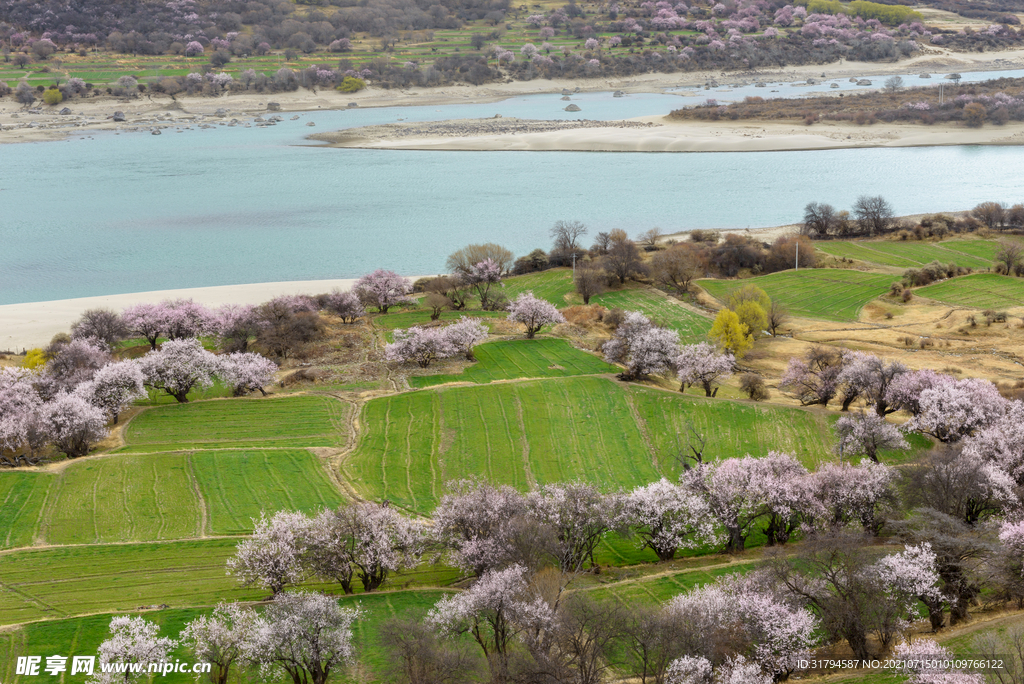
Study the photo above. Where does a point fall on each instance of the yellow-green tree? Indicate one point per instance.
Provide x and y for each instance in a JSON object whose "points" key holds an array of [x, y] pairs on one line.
{"points": [[53, 96], [752, 315], [730, 334], [351, 84], [34, 358]]}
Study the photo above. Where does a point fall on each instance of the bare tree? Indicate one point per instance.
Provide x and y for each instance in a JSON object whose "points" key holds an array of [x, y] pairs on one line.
{"points": [[567, 235], [416, 655], [623, 258], [589, 281], [601, 243], [676, 268], [469, 256], [103, 324], [454, 288], [649, 239], [893, 85], [874, 214], [992, 214], [436, 303], [1011, 256], [820, 219], [777, 317]]}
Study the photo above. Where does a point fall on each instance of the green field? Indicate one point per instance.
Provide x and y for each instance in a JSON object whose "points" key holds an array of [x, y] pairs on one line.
{"points": [[544, 431], [302, 421], [555, 285], [692, 327], [538, 358], [827, 293], [236, 486], [970, 253], [981, 291], [22, 496], [407, 319]]}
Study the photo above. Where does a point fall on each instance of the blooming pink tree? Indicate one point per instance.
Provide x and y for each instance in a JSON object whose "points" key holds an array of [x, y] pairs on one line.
{"points": [[533, 313], [306, 634], [754, 616], [580, 516], [247, 372], [74, 363], [272, 556], [1001, 442], [380, 541], [904, 392], [18, 404], [235, 324], [419, 344], [815, 378], [698, 670], [924, 660], [666, 517], [866, 375], [787, 495], [465, 335], [72, 424], [848, 493], [703, 364], [481, 276], [193, 49], [495, 610], [382, 289], [641, 346], [954, 409], [133, 641], [223, 638], [865, 434], [732, 493], [115, 387], [474, 522], [345, 305], [146, 320], [186, 318], [179, 367]]}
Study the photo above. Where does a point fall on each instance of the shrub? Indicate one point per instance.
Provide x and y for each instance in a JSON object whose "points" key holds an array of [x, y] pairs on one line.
{"points": [[53, 97], [753, 386], [351, 84], [907, 295]]}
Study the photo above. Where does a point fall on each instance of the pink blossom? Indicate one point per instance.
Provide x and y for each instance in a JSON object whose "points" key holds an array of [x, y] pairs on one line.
{"points": [[272, 556], [345, 305], [18, 404], [1002, 442], [419, 344], [382, 289], [667, 517], [533, 313], [193, 49], [703, 364], [115, 387], [465, 334], [954, 409], [867, 433], [579, 514], [246, 372], [475, 522], [72, 424], [179, 367], [641, 346]]}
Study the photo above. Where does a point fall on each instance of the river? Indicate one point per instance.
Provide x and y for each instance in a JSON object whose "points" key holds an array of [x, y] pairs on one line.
{"points": [[109, 213]]}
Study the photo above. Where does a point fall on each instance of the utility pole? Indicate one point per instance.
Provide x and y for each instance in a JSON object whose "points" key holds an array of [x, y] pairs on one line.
{"points": [[798, 255], [574, 265]]}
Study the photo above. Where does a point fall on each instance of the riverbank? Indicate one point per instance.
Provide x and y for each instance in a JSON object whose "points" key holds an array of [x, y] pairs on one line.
{"points": [[33, 324], [660, 134], [18, 124]]}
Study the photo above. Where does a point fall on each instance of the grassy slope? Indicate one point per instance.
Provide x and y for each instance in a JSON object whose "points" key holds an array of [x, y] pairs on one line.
{"points": [[666, 312], [294, 421], [22, 495], [981, 290], [600, 430], [830, 294], [539, 358], [555, 285]]}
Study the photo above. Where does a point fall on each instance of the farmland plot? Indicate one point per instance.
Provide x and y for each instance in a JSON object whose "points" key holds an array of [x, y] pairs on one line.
{"points": [[692, 327], [981, 291], [303, 421], [555, 285], [538, 358], [22, 496], [827, 293]]}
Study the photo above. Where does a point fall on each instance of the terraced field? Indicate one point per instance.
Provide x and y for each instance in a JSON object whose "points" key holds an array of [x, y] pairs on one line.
{"points": [[826, 293], [407, 319], [21, 503], [236, 486], [692, 327], [972, 253], [980, 291], [555, 285], [305, 421], [596, 429], [124, 498], [539, 358]]}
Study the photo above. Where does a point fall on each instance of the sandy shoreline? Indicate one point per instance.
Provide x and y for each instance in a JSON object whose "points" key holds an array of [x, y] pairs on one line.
{"points": [[158, 111], [33, 324], [673, 136]]}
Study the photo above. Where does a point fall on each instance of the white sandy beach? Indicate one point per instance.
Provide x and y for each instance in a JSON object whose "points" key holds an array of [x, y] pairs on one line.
{"points": [[33, 324]]}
